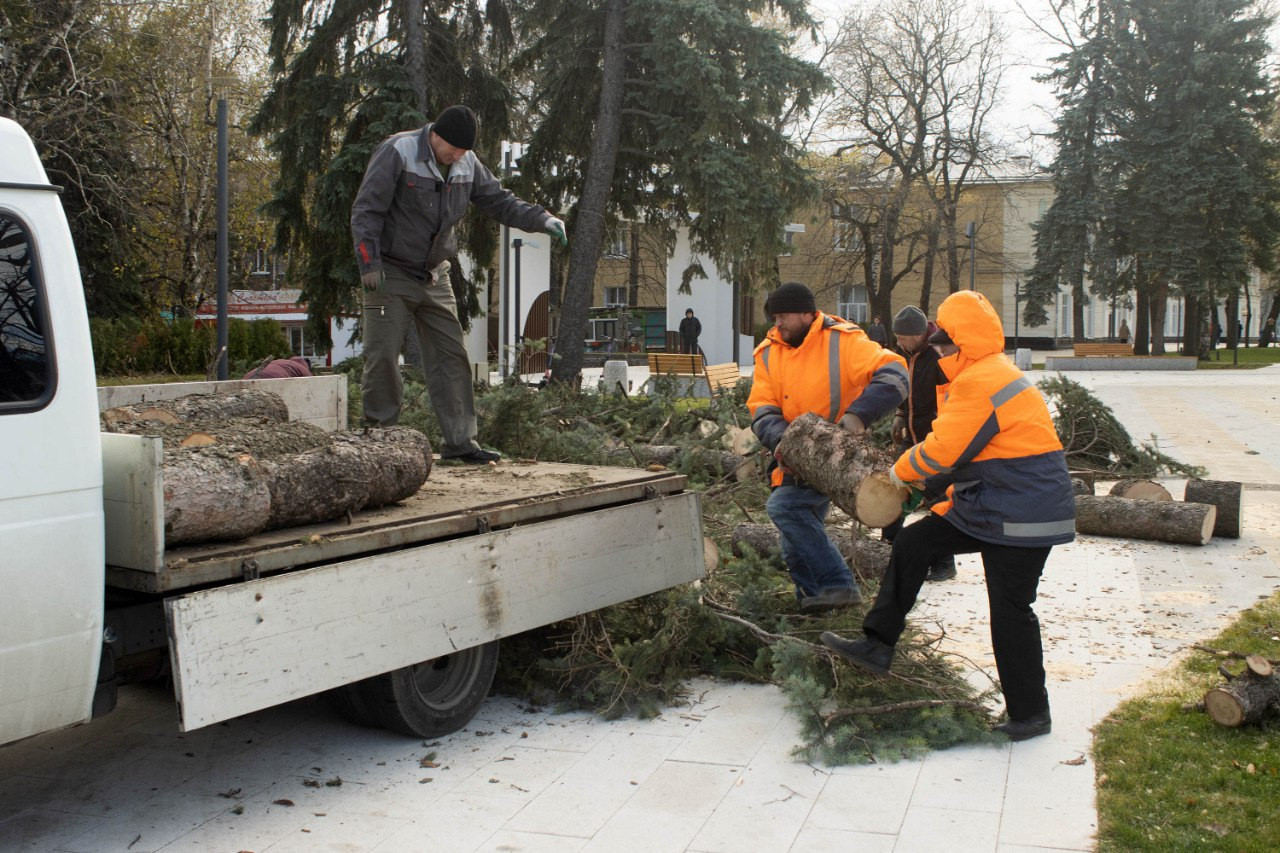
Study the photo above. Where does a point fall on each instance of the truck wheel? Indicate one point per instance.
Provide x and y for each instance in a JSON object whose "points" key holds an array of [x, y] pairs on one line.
{"points": [[436, 697]]}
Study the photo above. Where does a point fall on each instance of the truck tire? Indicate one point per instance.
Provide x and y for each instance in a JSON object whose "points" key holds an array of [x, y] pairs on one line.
{"points": [[436, 697]]}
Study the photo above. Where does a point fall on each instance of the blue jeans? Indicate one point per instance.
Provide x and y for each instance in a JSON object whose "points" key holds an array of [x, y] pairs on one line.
{"points": [[811, 557]]}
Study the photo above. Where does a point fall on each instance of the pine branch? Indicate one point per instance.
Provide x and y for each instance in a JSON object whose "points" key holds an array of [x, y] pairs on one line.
{"points": [[849, 713]]}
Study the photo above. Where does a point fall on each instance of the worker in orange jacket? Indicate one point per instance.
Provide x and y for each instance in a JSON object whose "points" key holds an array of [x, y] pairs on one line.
{"points": [[810, 362], [1010, 500]]}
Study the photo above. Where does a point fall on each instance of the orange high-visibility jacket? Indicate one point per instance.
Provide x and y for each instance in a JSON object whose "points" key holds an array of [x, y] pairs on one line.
{"points": [[993, 439], [837, 369]]}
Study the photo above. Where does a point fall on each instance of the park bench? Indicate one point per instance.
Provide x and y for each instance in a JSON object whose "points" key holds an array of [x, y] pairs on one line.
{"points": [[681, 364], [1091, 348], [723, 376]]}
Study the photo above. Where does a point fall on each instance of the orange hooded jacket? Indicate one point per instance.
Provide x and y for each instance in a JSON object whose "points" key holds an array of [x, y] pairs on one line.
{"points": [[993, 440], [836, 370]]}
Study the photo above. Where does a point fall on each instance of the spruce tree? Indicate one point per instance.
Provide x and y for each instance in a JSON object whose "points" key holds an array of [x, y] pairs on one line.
{"points": [[668, 111]]}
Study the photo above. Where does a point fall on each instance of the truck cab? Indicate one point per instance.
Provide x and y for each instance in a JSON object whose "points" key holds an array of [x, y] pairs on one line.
{"points": [[51, 528]]}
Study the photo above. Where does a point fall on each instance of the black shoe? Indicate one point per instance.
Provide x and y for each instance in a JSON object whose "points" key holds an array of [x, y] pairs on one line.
{"points": [[475, 457], [941, 572], [867, 653], [1031, 727], [831, 599]]}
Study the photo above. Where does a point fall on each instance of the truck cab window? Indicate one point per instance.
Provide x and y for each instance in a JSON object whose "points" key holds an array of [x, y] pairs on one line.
{"points": [[25, 363]]}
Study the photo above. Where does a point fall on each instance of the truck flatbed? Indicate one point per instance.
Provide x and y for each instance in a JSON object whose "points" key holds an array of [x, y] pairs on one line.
{"points": [[455, 501]]}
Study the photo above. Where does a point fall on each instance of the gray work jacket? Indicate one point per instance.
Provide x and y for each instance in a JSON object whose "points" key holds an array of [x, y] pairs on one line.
{"points": [[405, 212]]}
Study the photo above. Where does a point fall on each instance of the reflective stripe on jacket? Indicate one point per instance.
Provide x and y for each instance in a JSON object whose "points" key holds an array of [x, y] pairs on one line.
{"points": [[837, 369], [993, 439]]}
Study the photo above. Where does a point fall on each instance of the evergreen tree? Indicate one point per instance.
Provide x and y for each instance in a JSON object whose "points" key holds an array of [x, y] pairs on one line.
{"points": [[345, 76], [669, 111]]}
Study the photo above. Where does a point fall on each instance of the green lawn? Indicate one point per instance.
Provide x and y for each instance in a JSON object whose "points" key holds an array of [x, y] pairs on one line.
{"points": [[1247, 358], [1172, 779]]}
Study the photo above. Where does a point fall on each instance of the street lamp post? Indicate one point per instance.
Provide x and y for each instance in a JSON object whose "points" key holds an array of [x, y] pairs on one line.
{"points": [[222, 239]]}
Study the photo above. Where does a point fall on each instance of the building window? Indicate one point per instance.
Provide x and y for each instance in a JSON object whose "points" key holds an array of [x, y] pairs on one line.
{"points": [[845, 234], [852, 303], [615, 297], [299, 343], [790, 231], [26, 365], [617, 247]]}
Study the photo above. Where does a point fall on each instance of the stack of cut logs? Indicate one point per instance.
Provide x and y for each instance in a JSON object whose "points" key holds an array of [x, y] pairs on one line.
{"points": [[849, 471], [234, 465]]}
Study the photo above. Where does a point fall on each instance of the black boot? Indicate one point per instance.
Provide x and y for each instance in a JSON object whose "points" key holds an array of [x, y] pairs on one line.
{"points": [[867, 653], [1040, 724]]}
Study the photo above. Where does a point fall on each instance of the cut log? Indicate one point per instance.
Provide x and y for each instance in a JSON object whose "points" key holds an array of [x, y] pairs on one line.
{"points": [[879, 501], [260, 437], [1157, 521], [217, 493], [710, 555], [762, 538], [1080, 487], [869, 558], [826, 457], [249, 403], [1142, 490], [1089, 477], [1226, 495], [1246, 698]]}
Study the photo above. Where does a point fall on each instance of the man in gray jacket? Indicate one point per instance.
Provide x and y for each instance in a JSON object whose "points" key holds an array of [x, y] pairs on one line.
{"points": [[416, 188]]}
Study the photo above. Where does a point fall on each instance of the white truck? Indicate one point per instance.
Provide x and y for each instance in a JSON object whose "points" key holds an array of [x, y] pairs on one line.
{"points": [[396, 612]]}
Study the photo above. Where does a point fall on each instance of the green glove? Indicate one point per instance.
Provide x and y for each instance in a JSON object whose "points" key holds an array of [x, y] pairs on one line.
{"points": [[555, 227], [915, 497]]}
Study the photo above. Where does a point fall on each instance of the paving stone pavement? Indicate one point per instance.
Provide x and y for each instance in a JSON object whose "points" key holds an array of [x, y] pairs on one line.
{"points": [[717, 773]]}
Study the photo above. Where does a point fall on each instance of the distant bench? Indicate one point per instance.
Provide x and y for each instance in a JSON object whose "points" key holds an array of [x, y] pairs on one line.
{"points": [[681, 364], [722, 376], [1091, 348]]}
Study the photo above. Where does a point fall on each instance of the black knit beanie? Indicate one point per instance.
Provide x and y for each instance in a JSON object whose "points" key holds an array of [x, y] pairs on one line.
{"points": [[457, 126], [910, 321], [791, 298]]}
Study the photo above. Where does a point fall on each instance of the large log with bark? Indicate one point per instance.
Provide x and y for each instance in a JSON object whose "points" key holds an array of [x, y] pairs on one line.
{"points": [[841, 466], [223, 492], [1246, 697], [1157, 521], [1226, 495], [247, 403], [1143, 490], [868, 558], [763, 539], [261, 437]]}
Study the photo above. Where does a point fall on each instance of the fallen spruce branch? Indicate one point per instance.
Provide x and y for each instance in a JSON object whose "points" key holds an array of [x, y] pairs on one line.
{"points": [[1229, 655], [915, 704], [766, 637]]}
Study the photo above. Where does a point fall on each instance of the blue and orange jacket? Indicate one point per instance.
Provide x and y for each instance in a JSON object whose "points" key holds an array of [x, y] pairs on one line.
{"points": [[836, 370], [993, 440]]}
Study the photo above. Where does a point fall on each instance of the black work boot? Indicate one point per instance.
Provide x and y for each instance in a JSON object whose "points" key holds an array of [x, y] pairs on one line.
{"points": [[867, 653], [831, 599], [1040, 724], [941, 571], [475, 457]]}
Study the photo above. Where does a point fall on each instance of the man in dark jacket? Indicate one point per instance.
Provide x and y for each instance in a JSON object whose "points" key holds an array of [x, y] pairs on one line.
{"points": [[877, 332], [914, 419], [416, 189], [690, 329]]}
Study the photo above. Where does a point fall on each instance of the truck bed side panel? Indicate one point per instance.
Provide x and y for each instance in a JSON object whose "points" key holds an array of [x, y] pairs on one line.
{"points": [[235, 648]]}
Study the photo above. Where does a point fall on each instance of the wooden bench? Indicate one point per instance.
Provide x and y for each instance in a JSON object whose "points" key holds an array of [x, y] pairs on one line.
{"points": [[722, 377], [1091, 348], [681, 364]]}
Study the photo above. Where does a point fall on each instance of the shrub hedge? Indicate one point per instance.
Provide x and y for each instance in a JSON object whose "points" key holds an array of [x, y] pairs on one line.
{"points": [[130, 345]]}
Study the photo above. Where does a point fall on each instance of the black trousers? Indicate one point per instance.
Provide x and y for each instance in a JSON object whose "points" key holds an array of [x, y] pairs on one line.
{"points": [[1012, 574]]}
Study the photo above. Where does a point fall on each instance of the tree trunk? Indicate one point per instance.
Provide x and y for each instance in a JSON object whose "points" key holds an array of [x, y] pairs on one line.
{"points": [[1245, 698], [1142, 321], [1231, 330], [1267, 334], [1191, 343], [869, 558], [1078, 299], [221, 492], [1159, 310], [761, 538], [926, 281], [1144, 490], [250, 403], [828, 458], [258, 437], [1157, 521], [588, 231], [1226, 495], [415, 55]]}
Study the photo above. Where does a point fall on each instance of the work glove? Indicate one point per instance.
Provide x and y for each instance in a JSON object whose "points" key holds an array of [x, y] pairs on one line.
{"points": [[555, 227], [372, 280], [898, 481], [853, 424], [912, 502], [899, 433]]}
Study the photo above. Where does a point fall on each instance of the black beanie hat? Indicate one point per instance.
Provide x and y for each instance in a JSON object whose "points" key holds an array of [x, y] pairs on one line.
{"points": [[910, 321], [791, 298], [457, 126]]}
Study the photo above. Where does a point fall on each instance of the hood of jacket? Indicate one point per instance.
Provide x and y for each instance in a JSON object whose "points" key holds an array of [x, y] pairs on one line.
{"points": [[973, 326]]}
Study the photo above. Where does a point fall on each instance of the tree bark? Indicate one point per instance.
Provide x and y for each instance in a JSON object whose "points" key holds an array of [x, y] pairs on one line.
{"points": [[1144, 490], [828, 458], [262, 439], [250, 403], [1158, 521], [1226, 495], [588, 230], [761, 538], [869, 558], [221, 492], [1245, 698]]}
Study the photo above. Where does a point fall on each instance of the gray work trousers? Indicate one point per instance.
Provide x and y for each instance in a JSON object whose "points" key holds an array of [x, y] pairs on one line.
{"points": [[430, 306]]}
